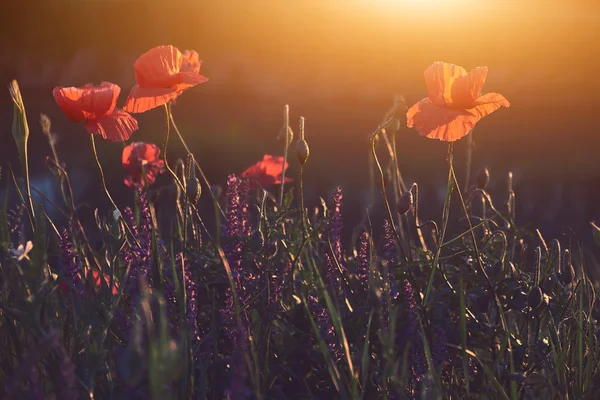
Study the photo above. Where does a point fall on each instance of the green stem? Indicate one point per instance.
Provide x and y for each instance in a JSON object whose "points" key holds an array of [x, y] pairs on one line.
{"points": [[187, 149], [468, 161], [442, 232], [383, 189], [286, 119]]}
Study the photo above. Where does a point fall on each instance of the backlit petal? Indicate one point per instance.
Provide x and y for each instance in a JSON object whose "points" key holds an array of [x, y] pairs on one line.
{"points": [[439, 78], [157, 66], [446, 124], [116, 127], [466, 89], [87, 102], [191, 62], [142, 99], [487, 104]]}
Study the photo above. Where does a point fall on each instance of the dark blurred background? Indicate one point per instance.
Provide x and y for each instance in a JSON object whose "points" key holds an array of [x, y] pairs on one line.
{"points": [[338, 64]]}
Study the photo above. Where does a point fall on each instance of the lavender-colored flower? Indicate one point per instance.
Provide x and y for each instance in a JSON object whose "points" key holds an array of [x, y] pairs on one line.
{"points": [[326, 329], [237, 227], [410, 305], [71, 261], [389, 243], [334, 225], [362, 269]]}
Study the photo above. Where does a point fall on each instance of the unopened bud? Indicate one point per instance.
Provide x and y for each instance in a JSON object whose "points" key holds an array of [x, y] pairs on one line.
{"points": [[302, 151], [535, 297], [194, 190], [405, 202], [483, 178]]}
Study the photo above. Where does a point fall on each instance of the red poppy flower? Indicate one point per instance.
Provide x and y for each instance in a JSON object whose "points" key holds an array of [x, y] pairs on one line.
{"points": [[141, 160], [96, 279], [266, 172], [96, 106], [162, 74], [454, 104], [64, 286]]}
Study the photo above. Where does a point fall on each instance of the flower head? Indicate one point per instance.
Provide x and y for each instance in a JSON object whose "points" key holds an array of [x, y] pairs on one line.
{"points": [[141, 160], [266, 172], [454, 104], [162, 74], [96, 106]]}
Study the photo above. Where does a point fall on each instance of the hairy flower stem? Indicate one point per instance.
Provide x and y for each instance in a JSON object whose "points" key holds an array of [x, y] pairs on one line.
{"points": [[286, 123], [168, 117], [103, 181], [442, 232], [383, 187], [187, 149], [468, 161], [497, 302], [304, 216]]}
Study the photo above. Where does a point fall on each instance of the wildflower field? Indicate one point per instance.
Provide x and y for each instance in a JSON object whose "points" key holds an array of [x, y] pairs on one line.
{"points": [[259, 296]]}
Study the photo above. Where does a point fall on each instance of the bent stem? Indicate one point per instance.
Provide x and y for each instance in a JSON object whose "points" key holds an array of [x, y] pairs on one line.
{"points": [[169, 117], [442, 232], [498, 305], [383, 189], [187, 149], [103, 181]]}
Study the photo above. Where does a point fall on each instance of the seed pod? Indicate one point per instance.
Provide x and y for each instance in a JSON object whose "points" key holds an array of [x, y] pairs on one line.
{"points": [[405, 202], [302, 151], [194, 190], [483, 178], [535, 297]]}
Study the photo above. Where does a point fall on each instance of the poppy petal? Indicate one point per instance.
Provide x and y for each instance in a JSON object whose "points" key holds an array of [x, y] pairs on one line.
{"points": [[157, 66], [87, 102], [116, 127], [191, 62], [465, 89], [439, 78], [186, 80], [446, 124], [142, 99], [487, 104]]}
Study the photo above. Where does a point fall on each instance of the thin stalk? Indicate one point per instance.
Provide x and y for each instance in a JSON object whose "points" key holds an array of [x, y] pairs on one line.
{"points": [[103, 181], [468, 161], [187, 149], [301, 184], [286, 119], [383, 191], [501, 315], [442, 232]]}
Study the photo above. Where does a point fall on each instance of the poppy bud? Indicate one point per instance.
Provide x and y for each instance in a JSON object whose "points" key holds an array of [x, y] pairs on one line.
{"points": [[302, 151], [405, 202], [535, 297], [483, 178], [194, 189]]}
